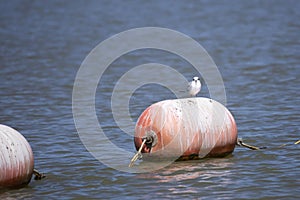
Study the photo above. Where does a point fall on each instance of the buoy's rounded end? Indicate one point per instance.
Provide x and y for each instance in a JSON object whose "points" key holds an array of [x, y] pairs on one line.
{"points": [[16, 159]]}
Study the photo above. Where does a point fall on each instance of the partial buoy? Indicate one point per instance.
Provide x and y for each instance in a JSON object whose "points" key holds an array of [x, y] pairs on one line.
{"points": [[186, 129], [16, 159]]}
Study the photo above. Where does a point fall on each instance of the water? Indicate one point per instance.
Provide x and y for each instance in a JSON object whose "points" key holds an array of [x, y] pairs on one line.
{"points": [[255, 45]]}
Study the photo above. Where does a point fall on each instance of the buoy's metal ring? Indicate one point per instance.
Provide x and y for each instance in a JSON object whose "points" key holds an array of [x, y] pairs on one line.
{"points": [[151, 138]]}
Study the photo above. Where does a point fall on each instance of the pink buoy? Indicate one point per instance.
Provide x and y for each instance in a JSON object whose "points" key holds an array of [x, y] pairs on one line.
{"points": [[16, 159], [185, 129]]}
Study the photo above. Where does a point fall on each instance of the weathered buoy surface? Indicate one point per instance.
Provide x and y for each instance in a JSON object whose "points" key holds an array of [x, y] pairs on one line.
{"points": [[16, 159], [184, 129]]}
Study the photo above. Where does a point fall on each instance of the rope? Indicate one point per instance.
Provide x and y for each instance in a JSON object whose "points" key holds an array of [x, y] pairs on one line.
{"points": [[290, 144], [240, 142], [38, 175], [138, 155]]}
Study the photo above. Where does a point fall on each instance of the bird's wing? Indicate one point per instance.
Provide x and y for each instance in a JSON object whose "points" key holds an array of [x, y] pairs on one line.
{"points": [[189, 86]]}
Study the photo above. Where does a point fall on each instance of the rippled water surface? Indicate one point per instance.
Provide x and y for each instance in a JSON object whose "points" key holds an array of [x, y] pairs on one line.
{"points": [[255, 45]]}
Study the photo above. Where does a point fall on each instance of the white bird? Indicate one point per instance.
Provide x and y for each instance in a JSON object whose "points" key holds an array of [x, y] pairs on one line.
{"points": [[194, 87]]}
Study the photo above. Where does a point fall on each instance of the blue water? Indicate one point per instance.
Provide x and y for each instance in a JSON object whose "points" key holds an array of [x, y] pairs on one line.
{"points": [[255, 45]]}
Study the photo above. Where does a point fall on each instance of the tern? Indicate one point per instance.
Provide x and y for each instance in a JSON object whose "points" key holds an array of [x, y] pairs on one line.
{"points": [[194, 87]]}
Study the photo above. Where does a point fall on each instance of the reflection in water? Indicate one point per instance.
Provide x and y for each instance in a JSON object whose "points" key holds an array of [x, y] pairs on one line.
{"points": [[192, 176]]}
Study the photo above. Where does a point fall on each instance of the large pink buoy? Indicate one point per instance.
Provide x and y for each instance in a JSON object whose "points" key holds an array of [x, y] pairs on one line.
{"points": [[184, 129], [16, 159]]}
